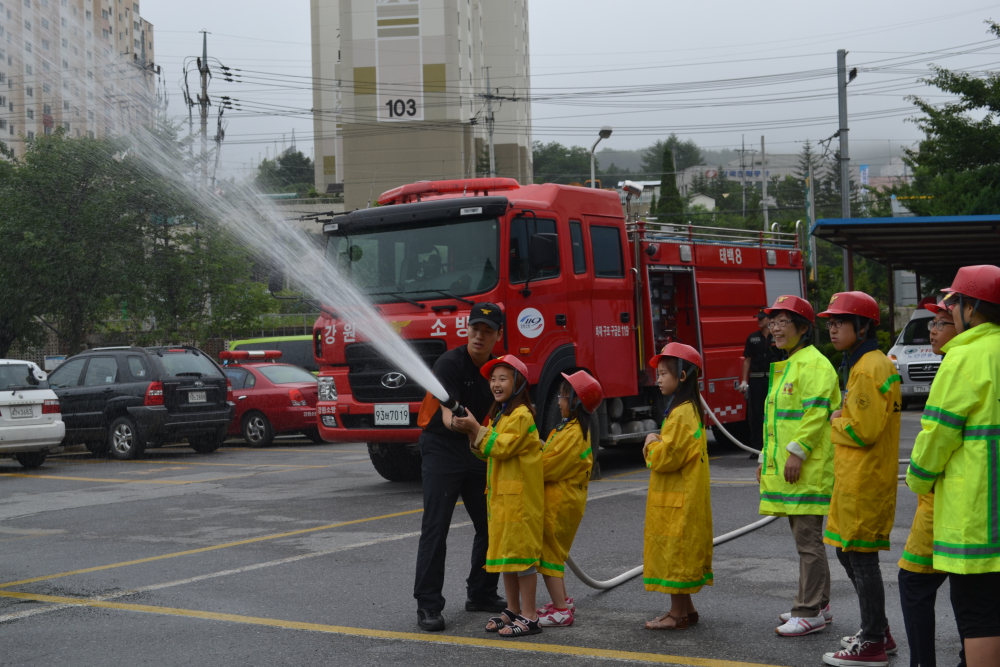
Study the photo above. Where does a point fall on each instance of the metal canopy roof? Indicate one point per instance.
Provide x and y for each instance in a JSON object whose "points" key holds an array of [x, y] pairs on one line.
{"points": [[919, 244]]}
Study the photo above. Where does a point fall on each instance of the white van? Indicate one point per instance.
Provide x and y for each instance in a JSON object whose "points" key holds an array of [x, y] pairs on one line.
{"points": [[914, 359]]}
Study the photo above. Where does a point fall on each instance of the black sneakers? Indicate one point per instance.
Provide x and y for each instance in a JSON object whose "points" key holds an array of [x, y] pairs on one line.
{"points": [[430, 620], [492, 603]]}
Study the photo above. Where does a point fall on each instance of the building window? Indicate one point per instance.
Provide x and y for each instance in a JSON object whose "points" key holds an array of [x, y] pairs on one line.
{"points": [[90, 56], [47, 109], [29, 91], [90, 115], [31, 136], [104, 13], [65, 43], [45, 65], [27, 47], [65, 105], [3, 124], [30, 113], [48, 131], [27, 24], [105, 34], [136, 43], [46, 88], [89, 15], [135, 8], [65, 64], [90, 133], [27, 69]]}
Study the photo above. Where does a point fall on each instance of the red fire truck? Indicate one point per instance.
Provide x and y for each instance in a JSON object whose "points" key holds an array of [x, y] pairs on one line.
{"points": [[581, 288]]}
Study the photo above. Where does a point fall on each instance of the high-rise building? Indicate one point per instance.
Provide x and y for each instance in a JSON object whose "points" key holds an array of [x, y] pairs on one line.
{"points": [[83, 65], [400, 92]]}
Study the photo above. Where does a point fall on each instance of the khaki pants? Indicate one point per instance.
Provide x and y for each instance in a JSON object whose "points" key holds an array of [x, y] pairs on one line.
{"points": [[814, 569]]}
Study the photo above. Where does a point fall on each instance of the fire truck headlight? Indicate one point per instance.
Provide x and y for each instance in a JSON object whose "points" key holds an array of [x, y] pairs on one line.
{"points": [[327, 389]]}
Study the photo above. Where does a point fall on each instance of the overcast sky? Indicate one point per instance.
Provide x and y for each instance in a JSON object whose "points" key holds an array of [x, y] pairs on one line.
{"points": [[646, 68]]}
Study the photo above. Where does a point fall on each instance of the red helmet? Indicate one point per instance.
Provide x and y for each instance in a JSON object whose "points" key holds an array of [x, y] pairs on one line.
{"points": [[680, 351], [505, 360], [852, 303], [977, 282], [793, 304], [941, 305], [587, 389]]}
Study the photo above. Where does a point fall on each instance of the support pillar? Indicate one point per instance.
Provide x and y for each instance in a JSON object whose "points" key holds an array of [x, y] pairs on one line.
{"points": [[892, 304]]}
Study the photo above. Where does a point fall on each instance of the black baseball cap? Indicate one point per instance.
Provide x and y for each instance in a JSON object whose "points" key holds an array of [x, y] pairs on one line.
{"points": [[488, 313], [761, 315]]}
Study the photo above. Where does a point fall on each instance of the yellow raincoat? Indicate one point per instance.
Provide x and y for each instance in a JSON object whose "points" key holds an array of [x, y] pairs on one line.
{"points": [[918, 554], [566, 461], [677, 554], [514, 491], [866, 455], [802, 392]]}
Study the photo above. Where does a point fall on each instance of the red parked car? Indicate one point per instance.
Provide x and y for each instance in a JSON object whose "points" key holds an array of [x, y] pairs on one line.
{"points": [[271, 398]]}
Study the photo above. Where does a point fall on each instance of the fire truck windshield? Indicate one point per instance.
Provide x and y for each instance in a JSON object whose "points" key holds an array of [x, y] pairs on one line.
{"points": [[415, 261]]}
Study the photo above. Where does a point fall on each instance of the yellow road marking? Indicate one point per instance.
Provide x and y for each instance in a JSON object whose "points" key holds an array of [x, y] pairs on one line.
{"points": [[626, 474], [252, 540], [98, 479], [281, 450], [557, 649]]}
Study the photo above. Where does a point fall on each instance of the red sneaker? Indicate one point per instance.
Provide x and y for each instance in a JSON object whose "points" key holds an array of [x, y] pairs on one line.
{"points": [[890, 643], [868, 654]]}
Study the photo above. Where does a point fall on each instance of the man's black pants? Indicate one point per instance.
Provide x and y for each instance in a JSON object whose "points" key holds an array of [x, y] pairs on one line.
{"points": [[450, 470], [757, 397], [917, 594]]}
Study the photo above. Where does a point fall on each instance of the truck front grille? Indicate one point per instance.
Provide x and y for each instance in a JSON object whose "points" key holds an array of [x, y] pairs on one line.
{"points": [[923, 372], [366, 369]]}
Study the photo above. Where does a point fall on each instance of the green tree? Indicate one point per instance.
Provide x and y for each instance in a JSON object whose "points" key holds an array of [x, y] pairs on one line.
{"points": [[686, 154], [671, 204], [555, 163], [291, 171]]}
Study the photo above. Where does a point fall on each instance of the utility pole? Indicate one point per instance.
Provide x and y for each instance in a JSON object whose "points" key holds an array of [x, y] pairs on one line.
{"points": [[489, 97], [811, 220], [204, 103], [845, 169], [763, 179], [743, 173]]}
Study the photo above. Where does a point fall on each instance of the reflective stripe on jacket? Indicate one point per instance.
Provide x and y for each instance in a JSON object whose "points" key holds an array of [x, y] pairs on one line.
{"points": [[567, 460], [918, 554], [866, 457], [514, 491], [802, 392], [958, 453], [677, 551]]}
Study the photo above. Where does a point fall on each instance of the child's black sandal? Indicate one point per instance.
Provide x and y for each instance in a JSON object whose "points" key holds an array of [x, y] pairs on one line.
{"points": [[499, 621], [529, 628]]}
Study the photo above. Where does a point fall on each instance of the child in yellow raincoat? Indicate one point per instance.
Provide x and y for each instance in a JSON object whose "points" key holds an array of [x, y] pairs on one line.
{"points": [[677, 556], [567, 460], [509, 443]]}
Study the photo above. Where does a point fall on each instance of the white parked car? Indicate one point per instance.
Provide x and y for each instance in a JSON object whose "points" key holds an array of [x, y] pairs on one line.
{"points": [[31, 424], [914, 359]]}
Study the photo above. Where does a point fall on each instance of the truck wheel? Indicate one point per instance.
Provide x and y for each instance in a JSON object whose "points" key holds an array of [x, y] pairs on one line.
{"points": [[313, 434], [395, 462], [257, 430], [124, 441], [207, 443], [31, 460], [97, 447]]}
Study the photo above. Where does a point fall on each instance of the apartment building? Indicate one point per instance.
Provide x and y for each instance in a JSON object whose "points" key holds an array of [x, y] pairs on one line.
{"points": [[86, 66], [399, 92]]}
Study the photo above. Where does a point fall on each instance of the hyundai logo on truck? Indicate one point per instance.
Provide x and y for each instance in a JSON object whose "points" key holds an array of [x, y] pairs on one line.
{"points": [[530, 323], [393, 380]]}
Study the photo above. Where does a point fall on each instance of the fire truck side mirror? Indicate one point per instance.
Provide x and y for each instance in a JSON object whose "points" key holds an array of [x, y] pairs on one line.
{"points": [[544, 251]]}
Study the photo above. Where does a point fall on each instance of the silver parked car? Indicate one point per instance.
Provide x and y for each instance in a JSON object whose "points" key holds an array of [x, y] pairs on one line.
{"points": [[914, 359], [31, 425]]}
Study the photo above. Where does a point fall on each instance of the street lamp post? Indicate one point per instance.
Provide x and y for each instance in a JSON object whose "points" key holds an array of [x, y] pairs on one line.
{"points": [[603, 134]]}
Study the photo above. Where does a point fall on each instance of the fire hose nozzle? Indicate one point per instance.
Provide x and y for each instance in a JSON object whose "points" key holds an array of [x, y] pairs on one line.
{"points": [[455, 407]]}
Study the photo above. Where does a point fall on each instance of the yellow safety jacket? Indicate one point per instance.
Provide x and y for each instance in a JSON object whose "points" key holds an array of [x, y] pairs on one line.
{"points": [[514, 491], [802, 392], [958, 453], [677, 550], [918, 554], [567, 460], [866, 455]]}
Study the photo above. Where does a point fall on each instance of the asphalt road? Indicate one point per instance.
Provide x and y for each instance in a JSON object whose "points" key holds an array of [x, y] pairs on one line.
{"points": [[301, 554]]}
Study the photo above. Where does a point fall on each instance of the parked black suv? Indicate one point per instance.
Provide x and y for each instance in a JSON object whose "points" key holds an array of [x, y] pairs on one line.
{"points": [[120, 400]]}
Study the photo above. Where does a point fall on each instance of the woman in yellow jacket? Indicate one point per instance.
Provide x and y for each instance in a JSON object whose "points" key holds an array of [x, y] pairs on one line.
{"points": [[918, 580], [865, 435], [514, 489], [677, 552], [567, 459]]}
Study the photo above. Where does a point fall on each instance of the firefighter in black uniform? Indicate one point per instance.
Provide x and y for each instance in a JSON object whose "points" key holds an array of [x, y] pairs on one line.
{"points": [[758, 354]]}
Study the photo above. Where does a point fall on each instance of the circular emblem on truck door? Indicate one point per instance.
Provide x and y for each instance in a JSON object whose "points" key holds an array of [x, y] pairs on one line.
{"points": [[393, 380], [530, 323]]}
